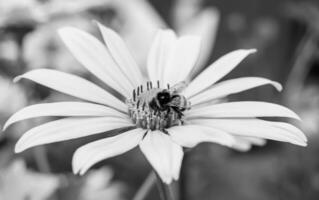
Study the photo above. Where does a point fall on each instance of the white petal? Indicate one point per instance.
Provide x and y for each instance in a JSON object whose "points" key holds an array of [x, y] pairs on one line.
{"points": [[146, 19], [74, 86], [243, 109], [216, 71], [164, 155], [121, 55], [160, 51], [288, 127], [241, 145], [204, 25], [94, 152], [191, 135], [69, 128], [279, 131], [93, 55], [245, 143], [255, 141], [177, 155], [65, 109], [182, 59], [232, 86]]}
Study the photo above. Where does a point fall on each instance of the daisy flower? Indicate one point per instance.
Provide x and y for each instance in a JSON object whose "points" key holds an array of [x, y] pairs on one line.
{"points": [[164, 113]]}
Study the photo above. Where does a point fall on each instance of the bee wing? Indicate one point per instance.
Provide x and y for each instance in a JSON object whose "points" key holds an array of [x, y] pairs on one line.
{"points": [[178, 87], [175, 102]]}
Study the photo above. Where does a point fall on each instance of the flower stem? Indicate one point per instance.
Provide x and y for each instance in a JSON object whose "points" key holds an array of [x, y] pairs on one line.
{"points": [[146, 187], [165, 191], [161, 189], [170, 192], [41, 159], [305, 52]]}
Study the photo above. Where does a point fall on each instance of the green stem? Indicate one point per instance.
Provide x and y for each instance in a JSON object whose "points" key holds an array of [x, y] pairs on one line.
{"points": [[165, 191], [146, 187], [300, 69], [161, 189], [170, 191], [41, 159]]}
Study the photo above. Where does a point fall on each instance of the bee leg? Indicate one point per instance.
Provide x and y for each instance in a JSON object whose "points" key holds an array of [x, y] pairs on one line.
{"points": [[168, 112], [178, 111], [180, 116]]}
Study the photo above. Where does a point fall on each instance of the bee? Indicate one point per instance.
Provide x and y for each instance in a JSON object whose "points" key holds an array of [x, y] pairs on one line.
{"points": [[167, 99]]}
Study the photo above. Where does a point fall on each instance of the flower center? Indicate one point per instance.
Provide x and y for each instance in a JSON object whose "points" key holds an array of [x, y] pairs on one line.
{"points": [[157, 108]]}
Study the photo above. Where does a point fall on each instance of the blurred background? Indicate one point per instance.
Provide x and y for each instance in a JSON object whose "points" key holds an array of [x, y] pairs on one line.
{"points": [[286, 35]]}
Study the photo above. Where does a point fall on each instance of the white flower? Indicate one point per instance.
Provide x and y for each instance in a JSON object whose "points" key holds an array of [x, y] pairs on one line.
{"points": [[99, 184], [161, 119], [202, 22], [17, 183]]}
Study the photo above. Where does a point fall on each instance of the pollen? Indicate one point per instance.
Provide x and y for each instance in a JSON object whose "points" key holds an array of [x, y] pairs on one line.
{"points": [[147, 111]]}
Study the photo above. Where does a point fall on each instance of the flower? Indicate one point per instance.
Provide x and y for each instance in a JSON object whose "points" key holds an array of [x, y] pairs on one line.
{"points": [[163, 112], [186, 19], [17, 13], [99, 184], [18, 182]]}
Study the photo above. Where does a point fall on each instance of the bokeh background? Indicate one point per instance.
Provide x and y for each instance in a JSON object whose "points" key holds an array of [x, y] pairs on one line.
{"points": [[286, 34]]}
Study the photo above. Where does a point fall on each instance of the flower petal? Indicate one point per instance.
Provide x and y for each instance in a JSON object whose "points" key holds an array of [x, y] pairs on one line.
{"points": [[140, 27], [93, 55], [74, 86], [94, 152], [163, 154], [69, 128], [241, 145], [279, 131], [176, 160], [160, 51], [121, 55], [191, 135], [65, 109], [232, 86], [182, 59], [245, 143], [243, 109], [204, 25], [255, 141], [216, 71]]}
